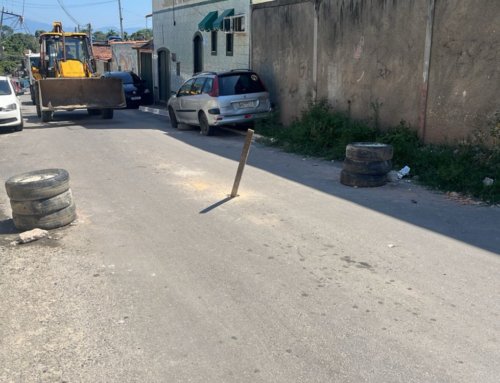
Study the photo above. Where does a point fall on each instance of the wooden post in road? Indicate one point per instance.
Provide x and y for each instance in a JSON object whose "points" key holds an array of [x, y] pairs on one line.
{"points": [[243, 161]]}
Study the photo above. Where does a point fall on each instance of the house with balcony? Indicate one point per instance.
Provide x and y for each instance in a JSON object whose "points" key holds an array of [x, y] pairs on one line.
{"points": [[192, 36]]}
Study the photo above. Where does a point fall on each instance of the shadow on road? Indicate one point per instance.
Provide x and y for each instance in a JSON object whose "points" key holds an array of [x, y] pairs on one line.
{"points": [[216, 205], [475, 225], [7, 227]]}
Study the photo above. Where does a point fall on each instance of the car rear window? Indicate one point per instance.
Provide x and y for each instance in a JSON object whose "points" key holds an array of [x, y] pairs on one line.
{"points": [[240, 83], [4, 88], [124, 76]]}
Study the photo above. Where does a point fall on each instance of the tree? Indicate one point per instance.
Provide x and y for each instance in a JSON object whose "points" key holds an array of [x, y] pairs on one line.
{"points": [[99, 36], [12, 52], [142, 34], [38, 32], [112, 32], [6, 31]]}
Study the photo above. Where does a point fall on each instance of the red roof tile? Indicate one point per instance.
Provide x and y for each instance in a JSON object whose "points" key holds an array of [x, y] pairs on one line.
{"points": [[102, 52]]}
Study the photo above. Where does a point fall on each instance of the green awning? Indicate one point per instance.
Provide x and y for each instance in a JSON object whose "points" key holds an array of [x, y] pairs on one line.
{"points": [[207, 22], [219, 23]]}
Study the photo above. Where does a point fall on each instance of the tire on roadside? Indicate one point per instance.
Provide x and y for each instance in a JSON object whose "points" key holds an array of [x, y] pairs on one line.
{"points": [[50, 221], [362, 180], [367, 167], [37, 185], [43, 206], [369, 151]]}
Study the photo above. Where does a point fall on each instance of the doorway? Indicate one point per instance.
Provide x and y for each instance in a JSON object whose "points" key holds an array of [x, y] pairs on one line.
{"points": [[197, 53], [163, 75]]}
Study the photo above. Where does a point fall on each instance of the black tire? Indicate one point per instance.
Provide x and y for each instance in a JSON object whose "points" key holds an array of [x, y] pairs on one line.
{"points": [[368, 151], [367, 167], [42, 206], [36, 185], [19, 127], [107, 114], [93, 112], [54, 220], [173, 118], [205, 127], [362, 180], [37, 102], [47, 115], [32, 94]]}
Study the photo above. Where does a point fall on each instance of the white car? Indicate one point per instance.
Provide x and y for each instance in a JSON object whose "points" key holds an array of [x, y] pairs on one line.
{"points": [[10, 107], [211, 99]]}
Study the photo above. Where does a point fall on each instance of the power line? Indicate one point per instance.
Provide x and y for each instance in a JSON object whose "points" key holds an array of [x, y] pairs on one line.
{"points": [[67, 13], [44, 6]]}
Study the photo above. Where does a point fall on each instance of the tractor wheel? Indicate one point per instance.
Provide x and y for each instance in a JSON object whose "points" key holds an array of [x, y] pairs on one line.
{"points": [[107, 114]]}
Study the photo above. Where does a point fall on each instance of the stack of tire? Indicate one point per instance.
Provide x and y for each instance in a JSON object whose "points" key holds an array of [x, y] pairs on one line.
{"points": [[41, 199], [366, 164]]}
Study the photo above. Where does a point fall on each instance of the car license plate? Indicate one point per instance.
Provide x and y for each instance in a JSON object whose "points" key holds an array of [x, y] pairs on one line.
{"points": [[246, 104], [135, 98]]}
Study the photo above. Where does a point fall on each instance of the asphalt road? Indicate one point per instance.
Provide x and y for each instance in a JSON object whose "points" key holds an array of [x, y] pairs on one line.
{"points": [[299, 279]]}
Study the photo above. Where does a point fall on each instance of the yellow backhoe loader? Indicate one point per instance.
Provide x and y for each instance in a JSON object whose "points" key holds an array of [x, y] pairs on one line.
{"points": [[67, 79]]}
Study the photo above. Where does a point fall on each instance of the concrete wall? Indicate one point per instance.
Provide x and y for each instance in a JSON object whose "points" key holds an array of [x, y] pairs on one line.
{"points": [[174, 29], [464, 83], [124, 57], [370, 60], [102, 66], [282, 51]]}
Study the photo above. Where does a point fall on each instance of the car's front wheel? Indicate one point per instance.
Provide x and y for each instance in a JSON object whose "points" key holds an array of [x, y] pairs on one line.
{"points": [[205, 127], [173, 118], [19, 127]]}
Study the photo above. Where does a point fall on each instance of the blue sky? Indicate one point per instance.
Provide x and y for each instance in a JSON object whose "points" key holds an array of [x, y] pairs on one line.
{"points": [[102, 14]]}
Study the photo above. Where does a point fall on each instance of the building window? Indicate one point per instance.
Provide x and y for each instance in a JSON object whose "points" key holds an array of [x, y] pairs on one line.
{"points": [[214, 43], [229, 44]]}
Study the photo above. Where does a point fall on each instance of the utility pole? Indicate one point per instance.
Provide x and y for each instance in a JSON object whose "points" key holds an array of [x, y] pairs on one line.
{"points": [[4, 12], [121, 18], [1, 34], [90, 34]]}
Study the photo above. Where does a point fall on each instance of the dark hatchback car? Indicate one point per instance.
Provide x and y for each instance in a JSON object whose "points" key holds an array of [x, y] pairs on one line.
{"points": [[136, 92]]}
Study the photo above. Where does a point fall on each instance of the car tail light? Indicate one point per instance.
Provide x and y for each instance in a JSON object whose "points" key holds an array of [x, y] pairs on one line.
{"points": [[215, 88]]}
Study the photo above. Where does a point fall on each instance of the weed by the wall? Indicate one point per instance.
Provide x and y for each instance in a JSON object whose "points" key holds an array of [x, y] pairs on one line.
{"points": [[323, 132]]}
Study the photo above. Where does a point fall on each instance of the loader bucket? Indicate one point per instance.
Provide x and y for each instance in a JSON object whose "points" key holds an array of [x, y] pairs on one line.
{"points": [[76, 93]]}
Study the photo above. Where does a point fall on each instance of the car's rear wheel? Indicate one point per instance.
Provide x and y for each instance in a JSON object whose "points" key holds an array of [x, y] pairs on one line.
{"points": [[93, 112], [205, 127], [173, 118]]}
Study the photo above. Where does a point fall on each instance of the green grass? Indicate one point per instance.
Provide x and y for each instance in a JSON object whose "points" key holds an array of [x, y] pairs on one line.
{"points": [[323, 132]]}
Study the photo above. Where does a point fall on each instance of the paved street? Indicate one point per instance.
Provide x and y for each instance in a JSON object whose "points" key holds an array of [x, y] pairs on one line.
{"points": [[299, 279]]}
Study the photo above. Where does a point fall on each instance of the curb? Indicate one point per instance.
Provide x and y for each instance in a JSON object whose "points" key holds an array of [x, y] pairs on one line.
{"points": [[147, 109]]}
